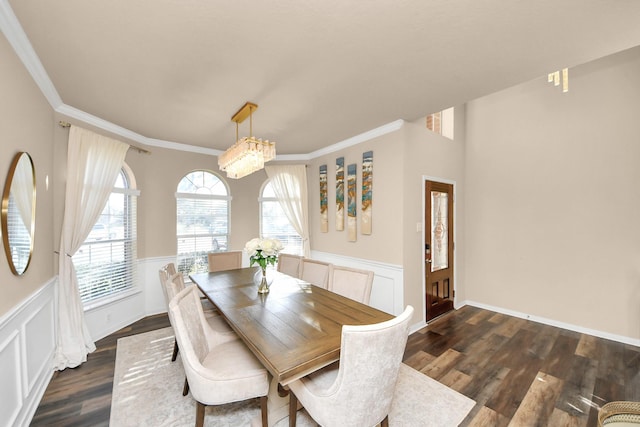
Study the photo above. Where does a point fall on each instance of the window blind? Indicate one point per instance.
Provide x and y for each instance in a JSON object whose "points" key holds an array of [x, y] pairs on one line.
{"points": [[105, 263]]}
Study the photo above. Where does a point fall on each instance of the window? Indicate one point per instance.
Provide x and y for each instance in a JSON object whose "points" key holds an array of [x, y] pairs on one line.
{"points": [[441, 122], [105, 263], [202, 219], [274, 223]]}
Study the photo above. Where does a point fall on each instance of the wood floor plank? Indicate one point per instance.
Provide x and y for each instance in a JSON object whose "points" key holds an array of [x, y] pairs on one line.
{"points": [[538, 404], [441, 365], [490, 357]]}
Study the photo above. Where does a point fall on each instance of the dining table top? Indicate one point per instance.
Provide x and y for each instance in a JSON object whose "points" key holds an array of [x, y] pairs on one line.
{"points": [[293, 330]]}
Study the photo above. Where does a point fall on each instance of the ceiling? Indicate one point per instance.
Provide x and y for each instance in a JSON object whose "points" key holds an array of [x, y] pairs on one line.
{"points": [[175, 71]]}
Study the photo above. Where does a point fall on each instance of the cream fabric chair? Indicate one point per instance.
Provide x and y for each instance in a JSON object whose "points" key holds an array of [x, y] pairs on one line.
{"points": [[171, 285], [351, 283], [176, 284], [220, 369], [165, 272], [315, 272], [289, 264], [221, 261], [359, 390], [619, 414]]}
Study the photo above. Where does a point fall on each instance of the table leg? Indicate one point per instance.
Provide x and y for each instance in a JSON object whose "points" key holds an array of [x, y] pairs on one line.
{"points": [[277, 406]]}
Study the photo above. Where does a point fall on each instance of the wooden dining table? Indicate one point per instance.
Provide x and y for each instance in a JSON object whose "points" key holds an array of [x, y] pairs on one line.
{"points": [[293, 330]]}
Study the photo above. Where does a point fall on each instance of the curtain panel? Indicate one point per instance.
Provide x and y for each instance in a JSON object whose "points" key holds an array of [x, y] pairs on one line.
{"points": [[93, 164], [289, 183]]}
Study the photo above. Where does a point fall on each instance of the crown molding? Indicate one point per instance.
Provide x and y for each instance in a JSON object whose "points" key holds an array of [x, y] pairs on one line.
{"points": [[358, 139], [90, 119], [18, 39]]}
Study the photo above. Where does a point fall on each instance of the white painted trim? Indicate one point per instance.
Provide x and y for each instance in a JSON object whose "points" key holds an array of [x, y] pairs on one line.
{"points": [[18, 39], [382, 272], [358, 139], [9, 316], [455, 233], [33, 371], [551, 322], [11, 345]]}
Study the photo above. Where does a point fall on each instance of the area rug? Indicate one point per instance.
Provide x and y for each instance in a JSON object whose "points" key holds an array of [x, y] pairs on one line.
{"points": [[147, 391]]}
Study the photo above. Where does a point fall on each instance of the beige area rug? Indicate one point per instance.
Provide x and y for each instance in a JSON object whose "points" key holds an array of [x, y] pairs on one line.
{"points": [[147, 391]]}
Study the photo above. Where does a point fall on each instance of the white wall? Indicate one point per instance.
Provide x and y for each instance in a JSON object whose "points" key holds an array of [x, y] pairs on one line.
{"points": [[552, 199], [27, 345]]}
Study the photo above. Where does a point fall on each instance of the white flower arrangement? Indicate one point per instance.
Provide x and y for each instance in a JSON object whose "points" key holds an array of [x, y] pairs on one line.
{"points": [[263, 251]]}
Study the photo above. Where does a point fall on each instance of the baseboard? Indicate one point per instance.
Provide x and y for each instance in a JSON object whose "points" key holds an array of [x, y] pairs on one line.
{"points": [[551, 322]]}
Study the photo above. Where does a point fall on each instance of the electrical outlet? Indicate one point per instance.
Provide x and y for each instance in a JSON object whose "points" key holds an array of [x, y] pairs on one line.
{"points": [[108, 317]]}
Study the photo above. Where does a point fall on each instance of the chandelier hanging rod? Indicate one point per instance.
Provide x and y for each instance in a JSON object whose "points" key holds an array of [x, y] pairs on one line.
{"points": [[241, 115]]}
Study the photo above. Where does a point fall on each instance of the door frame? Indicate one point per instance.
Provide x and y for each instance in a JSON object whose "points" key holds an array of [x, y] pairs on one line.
{"points": [[426, 178]]}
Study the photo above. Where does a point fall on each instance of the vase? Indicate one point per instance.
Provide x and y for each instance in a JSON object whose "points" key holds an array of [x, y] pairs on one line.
{"points": [[263, 286]]}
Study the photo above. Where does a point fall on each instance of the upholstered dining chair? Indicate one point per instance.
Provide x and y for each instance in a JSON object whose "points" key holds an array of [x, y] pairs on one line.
{"points": [[165, 272], [220, 369], [221, 261], [619, 414], [359, 390], [351, 283], [315, 272], [171, 285], [289, 264]]}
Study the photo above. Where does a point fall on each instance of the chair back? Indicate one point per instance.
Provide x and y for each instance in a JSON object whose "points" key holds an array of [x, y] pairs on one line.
{"points": [[221, 261], [315, 272], [289, 264], [352, 283], [187, 319], [174, 285], [370, 358], [165, 274]]}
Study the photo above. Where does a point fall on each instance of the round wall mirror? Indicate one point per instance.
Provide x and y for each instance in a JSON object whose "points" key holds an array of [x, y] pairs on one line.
{"points": [[18, 213]]}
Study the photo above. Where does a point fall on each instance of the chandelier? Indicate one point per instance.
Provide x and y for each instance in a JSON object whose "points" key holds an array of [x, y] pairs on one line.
{"points": [[248, 154]]}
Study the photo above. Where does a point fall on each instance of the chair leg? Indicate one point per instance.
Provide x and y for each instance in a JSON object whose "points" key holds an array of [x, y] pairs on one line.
{"points": [[185, 389], [293, 409], [199, 414], [385, 422], [263, 410], [175, 351]]}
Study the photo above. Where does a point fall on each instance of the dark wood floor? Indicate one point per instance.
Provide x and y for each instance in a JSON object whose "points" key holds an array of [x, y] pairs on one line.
{"points": [[523, 373], [518, 372], [82, 396]]}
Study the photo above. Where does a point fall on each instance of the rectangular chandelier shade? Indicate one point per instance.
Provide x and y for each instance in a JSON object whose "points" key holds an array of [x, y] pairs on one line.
{"points": [[247, 154]]}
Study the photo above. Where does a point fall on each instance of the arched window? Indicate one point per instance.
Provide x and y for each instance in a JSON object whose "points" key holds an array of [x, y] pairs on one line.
{"points": [[105, 263], [274, 223], [202, 225]]}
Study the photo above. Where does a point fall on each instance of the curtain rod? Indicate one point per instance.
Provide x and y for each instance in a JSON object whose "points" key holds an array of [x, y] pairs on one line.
{"points": [[133, 147]]}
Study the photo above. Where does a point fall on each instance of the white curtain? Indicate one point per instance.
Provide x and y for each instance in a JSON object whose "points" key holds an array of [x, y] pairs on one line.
{"points": [[289, 183], [93, 164]]}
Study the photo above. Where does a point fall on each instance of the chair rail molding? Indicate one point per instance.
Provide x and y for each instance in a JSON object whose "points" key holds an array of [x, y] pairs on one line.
{"points": [[387, 292], [27, 347]]}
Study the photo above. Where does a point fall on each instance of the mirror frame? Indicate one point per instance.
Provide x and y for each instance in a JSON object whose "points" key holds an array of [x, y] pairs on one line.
{"points": [[5, 211]]}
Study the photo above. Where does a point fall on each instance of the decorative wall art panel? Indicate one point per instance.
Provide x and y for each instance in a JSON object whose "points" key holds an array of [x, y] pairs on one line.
{"points": [[351, 200], [367, 192], [340, 193], [324, 215]]}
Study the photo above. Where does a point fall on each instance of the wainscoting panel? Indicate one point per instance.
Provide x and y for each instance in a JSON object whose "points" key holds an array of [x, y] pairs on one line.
{"points": [[27, 346], [387, 293], [10, 381]]}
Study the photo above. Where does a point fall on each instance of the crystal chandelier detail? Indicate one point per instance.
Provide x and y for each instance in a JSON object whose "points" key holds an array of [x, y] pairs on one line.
{"points": [[247, 154]]}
